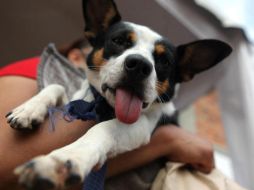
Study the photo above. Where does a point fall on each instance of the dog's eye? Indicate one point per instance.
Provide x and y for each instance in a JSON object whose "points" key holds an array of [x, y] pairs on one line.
{"points": [[121, 41], [118, 41], [166, 62], [162, 61]]}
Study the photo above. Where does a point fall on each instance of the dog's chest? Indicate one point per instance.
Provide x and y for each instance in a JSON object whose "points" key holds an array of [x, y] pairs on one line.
{"points": [[103, 110]]}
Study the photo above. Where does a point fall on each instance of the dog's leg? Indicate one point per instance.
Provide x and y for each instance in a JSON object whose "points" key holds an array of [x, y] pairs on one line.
{"points": [[72, 163], [32, 113]]}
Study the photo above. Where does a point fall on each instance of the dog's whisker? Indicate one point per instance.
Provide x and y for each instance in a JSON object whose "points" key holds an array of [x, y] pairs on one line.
{"points": [[159, 82], [168, 97], [160, 99], [95, 67], [159, 87]]}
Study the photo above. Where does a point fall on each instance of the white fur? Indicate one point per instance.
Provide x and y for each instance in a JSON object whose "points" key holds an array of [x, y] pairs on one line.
{"points": [[36, 108], [105, 139], [112, 72]]}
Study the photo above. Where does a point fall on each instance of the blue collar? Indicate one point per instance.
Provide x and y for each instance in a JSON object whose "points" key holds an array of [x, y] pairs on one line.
{"points": [[98, 110]]}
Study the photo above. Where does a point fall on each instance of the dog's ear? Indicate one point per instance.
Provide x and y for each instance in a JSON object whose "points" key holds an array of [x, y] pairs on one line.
{"points": [[198, 56], [99, 15]]}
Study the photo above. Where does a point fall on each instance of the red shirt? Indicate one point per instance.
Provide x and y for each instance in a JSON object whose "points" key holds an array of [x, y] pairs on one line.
{"points": [[25, 68]]}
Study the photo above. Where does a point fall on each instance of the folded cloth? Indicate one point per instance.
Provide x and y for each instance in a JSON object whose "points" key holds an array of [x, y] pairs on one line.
{"points": [[177, 177]]}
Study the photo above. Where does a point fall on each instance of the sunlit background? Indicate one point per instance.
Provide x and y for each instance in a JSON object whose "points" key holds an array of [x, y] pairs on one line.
{"points": [[233, 13]]}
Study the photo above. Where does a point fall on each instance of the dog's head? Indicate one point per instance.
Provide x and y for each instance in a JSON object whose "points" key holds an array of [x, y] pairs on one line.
{"points": [[133, 67]]}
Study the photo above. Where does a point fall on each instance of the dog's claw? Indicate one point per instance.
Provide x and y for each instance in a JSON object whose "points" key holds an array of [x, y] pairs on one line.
{"points": [[25, 117], [8, 114], [13, 122], [10, 119]]}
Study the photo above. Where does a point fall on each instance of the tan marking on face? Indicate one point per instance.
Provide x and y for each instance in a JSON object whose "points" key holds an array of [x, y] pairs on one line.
{"points": [[89, 34], [162, 87], [111, 13], [132, 36], [98, 59], [160, 49]]}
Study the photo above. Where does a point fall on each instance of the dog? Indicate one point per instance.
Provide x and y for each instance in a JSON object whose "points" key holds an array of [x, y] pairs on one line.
{"points": [[136, 70]]}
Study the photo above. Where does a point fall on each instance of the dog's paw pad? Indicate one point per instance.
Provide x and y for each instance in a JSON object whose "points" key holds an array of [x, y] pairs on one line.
{"points": [[72, 173], [72, 179], [35, 124], [47, 172], [33, 175], [40, 183]]}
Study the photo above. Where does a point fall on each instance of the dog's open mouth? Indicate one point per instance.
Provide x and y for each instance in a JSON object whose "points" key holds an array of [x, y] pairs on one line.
{"points": [[128, 106]]}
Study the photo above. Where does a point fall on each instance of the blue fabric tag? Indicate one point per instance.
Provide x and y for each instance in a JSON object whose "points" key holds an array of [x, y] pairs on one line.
{"points": [[78, 109]]}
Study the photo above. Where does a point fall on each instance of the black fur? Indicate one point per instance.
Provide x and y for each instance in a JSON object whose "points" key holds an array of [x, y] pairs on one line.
{"points": [[174, 65], [117, 33]]}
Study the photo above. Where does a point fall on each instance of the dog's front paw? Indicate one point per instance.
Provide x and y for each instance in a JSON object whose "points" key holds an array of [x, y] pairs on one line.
{"points": [[27, 116], [47, 172]]}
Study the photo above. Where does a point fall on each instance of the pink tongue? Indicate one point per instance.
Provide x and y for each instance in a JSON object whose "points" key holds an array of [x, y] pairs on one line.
{"points": [[127, 106]]}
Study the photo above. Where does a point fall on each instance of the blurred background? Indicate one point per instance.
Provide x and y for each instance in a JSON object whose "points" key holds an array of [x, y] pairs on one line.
{"points": [[219, 103]]}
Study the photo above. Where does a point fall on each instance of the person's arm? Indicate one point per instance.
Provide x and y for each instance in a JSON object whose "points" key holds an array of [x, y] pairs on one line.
{"points": [[18, 147], [169, 141]]}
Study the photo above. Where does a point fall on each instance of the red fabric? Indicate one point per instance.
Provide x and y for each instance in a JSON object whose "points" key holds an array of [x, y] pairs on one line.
{"points": [[25, 68]]}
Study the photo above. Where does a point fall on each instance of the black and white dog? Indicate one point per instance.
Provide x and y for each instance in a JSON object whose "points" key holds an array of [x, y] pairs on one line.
{"points": [[136, 70]]}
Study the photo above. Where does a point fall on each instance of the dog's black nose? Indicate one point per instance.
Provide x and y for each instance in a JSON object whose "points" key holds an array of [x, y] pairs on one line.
{"points": [[137, 66]]}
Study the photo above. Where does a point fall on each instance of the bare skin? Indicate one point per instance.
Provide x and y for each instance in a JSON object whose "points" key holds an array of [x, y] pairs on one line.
{"points": [[16, 147], [172, 142]]}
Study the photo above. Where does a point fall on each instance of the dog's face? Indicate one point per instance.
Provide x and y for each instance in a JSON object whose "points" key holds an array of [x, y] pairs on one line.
{"points": [[133, 66]]}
